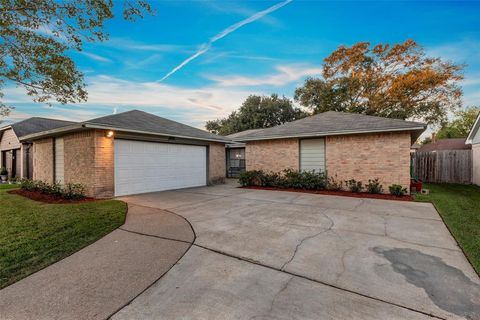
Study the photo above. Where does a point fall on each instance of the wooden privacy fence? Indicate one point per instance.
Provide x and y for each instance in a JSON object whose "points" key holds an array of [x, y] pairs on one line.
{"points": [[448, 166]]}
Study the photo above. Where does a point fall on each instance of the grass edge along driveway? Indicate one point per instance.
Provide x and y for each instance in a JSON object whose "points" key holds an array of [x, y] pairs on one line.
{"points": [[459, 206], [34, 235]]}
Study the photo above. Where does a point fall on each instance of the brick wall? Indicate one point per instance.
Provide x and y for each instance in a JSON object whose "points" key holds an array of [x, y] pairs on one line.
{"points": [[368, 156], [104, 166], [216, 162], [79, 152], [43, 160], [89, 161], [272, 155]]}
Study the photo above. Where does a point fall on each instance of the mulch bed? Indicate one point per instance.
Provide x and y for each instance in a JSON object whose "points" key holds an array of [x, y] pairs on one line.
{"points": [[338, 193], [47, 198]]}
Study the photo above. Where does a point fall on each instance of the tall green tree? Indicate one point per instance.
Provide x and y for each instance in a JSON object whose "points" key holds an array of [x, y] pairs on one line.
{"points": [[257, 112], [36, 35], [461, 125], [396, 81]]}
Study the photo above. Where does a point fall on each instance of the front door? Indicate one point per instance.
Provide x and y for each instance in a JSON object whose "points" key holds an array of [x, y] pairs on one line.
{"points": [[13, 171]]}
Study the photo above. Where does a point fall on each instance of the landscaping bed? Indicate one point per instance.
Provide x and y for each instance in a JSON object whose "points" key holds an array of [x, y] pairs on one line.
{"points": [[319, 183], [34, 234], [338, 193], [47, 198]]}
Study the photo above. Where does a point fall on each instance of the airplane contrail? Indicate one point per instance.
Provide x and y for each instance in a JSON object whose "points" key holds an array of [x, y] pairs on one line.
{"points": [[206, 46]]}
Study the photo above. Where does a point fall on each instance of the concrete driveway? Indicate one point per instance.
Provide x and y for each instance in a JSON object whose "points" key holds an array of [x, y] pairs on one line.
{"points": [[281, 255]]}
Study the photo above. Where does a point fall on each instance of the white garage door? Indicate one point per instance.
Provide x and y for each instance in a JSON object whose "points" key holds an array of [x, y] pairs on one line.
{"points": [[312, 155], [149, 166]]}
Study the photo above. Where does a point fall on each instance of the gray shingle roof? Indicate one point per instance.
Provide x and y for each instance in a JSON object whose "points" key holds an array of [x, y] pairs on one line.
{"points": [[140, 121], [37, 124], [331, 123], [242, 133], [445, 144]]}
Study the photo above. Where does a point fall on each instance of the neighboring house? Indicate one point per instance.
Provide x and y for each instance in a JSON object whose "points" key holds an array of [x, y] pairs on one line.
{"points": [[345, 145], [445, 144], [128, 153], [414, 148], [16, 156], [473, 139]]}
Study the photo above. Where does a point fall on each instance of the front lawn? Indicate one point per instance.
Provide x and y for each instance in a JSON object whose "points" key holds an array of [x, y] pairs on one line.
{"points": [[459, 206], [8, 186], [34, 235]]}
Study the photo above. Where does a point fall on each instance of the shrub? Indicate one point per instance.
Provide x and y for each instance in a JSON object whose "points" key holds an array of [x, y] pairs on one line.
{"points": [[27, 184], [41, 186], [13, 180], [374, 186], [397, 190], [271, 179], [74, 191], [292, 179], [288, 178], [334, 184], [250, 178], [55, 189], [354, 185], [3, 171], [310, 180]]}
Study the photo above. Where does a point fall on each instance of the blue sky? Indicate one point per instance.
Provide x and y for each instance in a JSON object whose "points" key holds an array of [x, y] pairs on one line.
{"points": [[272, 54]]}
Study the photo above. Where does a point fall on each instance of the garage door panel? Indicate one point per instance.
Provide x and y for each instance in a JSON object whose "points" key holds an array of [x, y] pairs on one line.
{"points": [[148, 166]]}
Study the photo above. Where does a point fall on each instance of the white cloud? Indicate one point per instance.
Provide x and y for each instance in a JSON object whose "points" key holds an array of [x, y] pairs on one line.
{"points": [[471, 80], [192, 106], [285, 74], [128, 44], [206, 46], [460, 52], [95, 57], [231, 7], [214, 100]]}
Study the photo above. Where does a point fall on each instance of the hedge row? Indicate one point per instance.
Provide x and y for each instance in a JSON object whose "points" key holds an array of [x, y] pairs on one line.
{"points": [[312, 180], [72, 191]]}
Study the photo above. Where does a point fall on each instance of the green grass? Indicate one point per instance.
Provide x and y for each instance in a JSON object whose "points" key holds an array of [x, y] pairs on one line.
{"points": [[8, 186], [34, 235], [459, 206]]}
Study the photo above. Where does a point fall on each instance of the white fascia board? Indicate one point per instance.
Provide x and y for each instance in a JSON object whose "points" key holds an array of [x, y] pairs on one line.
{"points": [[102, 127], [473, 131], [53, 132]]}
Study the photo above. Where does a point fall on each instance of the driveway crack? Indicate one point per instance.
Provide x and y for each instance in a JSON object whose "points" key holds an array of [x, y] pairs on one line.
{"points": [[274, 299], [308, 238]]}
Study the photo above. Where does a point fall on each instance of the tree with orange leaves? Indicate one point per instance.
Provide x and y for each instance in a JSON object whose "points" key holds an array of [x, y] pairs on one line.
{"points": [[395, 81]]}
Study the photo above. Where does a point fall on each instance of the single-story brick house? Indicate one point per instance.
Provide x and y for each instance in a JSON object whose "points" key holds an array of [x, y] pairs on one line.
{"points": [[474, 140], [128, 153], [17, 156], [345, 145]]}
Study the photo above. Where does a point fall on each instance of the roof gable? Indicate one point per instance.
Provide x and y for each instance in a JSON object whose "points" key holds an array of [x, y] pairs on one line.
{"points": [[243, 133]]}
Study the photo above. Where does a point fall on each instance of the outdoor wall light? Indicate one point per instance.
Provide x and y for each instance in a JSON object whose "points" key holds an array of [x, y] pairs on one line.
{"points": [[109, 134]]}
